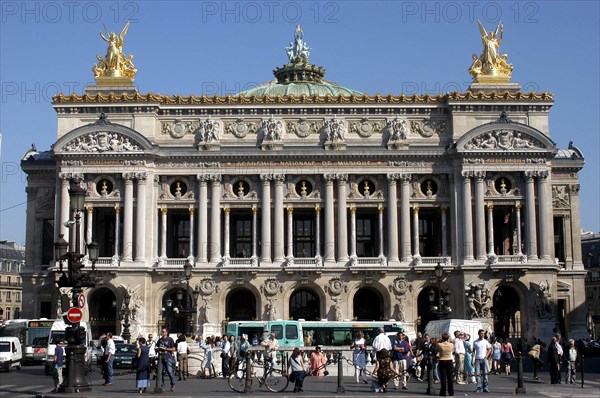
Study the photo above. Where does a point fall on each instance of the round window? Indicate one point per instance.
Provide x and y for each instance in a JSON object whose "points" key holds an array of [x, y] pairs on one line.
{"points": [[366, 188], [429, 187], [178, 188], [241, 188], [303, 188], [104, 187], [502, 185]]}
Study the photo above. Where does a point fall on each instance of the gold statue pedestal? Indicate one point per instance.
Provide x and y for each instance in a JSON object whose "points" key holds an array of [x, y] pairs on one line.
{"points": [[114, 81], [497, 86]]}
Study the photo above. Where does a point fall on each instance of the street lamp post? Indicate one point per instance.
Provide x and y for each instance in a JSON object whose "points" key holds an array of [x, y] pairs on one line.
{"points": [[187, 270], [440, 307], [74, 278], [126, 312]]}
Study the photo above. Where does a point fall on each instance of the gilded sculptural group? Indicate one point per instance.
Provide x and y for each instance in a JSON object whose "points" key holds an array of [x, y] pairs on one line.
{"points": [[115, 64], [490, 66]]}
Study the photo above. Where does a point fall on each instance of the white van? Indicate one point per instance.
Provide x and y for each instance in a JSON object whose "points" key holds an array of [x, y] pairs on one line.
{"points": [[58, 332], [435, 329], [11, 353]]}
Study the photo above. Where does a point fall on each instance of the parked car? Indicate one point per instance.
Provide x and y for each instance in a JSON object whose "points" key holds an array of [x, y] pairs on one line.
{"points": [[11, 355], [591, 348], [124, 354]]}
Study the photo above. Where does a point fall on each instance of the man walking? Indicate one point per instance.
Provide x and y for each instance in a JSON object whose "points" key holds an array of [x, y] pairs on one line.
{"points": [[152, 354], [401, 352], [110, 357], [459, 357], [59, 359], [482, 349], [166, 345]]}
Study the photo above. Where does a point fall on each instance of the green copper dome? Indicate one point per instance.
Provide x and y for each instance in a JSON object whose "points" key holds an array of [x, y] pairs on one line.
{"points": [[299, 77], [322, 88]]}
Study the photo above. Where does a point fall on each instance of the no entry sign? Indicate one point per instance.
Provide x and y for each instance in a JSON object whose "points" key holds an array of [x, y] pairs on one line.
{"points": [[74, 315]]}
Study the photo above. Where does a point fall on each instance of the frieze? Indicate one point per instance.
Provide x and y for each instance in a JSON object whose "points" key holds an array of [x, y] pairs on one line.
{"points": [[208, 134], [187, 164], [407, 163], [503, 139], [365, 128], [178, 128], [71, 163], [241, 128], [102, 142], [473, 161], [427, 128]]}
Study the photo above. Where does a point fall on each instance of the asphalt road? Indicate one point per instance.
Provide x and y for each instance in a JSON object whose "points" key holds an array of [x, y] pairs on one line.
{"points": [[31, 382]]}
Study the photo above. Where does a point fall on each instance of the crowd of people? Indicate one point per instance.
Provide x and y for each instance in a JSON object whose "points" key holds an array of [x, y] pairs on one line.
{"points": [[457, 360]]}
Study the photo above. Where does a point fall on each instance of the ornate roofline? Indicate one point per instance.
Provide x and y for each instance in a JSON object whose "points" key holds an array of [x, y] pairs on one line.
{"points": [[302, 99]]}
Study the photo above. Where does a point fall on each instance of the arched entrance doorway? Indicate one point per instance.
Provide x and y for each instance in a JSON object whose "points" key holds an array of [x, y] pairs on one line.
{"points": [[241, 305], [424, 306], [368, 305], [103, 312], [305, 304], [507, 314], [176, 311]]}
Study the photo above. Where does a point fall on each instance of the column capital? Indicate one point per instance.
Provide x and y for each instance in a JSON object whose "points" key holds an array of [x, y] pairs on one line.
{"points": [[89, 208], [529, 175], [163, 210], [192, 210], [342, 178], [141, 177], [128, 177], [318, 209], [254, 209], [543, 175], [67, 177], [405, 178], [265, 178], [380, 208], [329, 177], [466, 175], [518, 206], [393, 177], [352, 209], [443, 209], [215, 178], [203, 178], [226, 210], [415, 209], [290, 210], [117, 209], [279, 178], [490, 207], [479, 175]]}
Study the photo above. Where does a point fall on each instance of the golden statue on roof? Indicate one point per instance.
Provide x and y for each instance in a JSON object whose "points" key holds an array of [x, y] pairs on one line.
{"points": [[491, 67], [115, 68]]}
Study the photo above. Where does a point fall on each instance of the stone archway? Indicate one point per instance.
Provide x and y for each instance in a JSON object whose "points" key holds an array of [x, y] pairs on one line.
{"points": [[174, 311], [507, 314], [368, 305], [241, 305], [103, 312], [305, 304], [424, 306]]}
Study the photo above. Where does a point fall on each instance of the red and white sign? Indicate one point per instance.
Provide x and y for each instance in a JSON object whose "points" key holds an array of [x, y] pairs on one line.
{"points": [[81, 301], [74, 315]]}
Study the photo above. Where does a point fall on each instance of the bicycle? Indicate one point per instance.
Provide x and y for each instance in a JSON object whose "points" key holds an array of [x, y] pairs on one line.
{"points": [[276, 380]]}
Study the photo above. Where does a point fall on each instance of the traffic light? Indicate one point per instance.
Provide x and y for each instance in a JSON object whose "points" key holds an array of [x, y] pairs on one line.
{"points": [[76, 267]]}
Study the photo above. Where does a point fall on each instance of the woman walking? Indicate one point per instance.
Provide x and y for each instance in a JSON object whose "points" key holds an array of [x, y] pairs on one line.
{"points": [[534, 353], [507, 356], [317, 362], [142, 374], [469, 368], [207, 346], [444, 352], [360, 357], [298, 372], [496, 353]]}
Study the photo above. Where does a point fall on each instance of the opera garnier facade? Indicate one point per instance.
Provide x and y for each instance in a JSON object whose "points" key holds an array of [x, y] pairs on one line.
{"points": [[302, 199]]}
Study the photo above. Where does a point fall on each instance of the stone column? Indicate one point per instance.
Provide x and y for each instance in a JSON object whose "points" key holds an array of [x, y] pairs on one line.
{"points": [[380, 212], [352, 231], [342, 242], [290, 232], [254, 231], [518, 217], [405, 217], [444, 211], [202, 218], [226, 237], [318, 231], [392, 226], [329, 218], [490, 220], [128, 217], [416, 251], [279, 235], [140, 218], [117, 231], [575, 222], [215, 219], [467, 217], [89, 211], [530, 219], [546, 222], [480, 215], [163, 232], [64, 205], [192, 253], [266, 218]]}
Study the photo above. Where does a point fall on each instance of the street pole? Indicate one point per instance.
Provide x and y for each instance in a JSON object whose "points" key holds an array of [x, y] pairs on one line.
{"points": [[340, 379], [520, 389], [430, 386], [159, 370], [126, 334]]}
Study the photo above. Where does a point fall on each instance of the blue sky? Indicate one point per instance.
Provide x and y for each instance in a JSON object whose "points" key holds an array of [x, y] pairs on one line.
{"points": [[218, 47]]}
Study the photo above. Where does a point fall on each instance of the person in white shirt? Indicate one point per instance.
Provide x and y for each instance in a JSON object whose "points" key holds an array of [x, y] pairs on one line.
{"points": [[110, 357], [482, 349], [152, 353], [459, 357], [380, 342], [182, 356], [271, 347], [572, 359], [225, 356]]}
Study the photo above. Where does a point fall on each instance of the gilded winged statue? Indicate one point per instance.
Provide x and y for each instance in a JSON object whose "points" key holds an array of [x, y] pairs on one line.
{"points": [[490, 62], [115, 64]]}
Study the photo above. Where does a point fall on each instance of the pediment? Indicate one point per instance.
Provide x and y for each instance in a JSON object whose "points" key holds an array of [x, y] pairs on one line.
{"points": [[102, 136], [504, 135], [562, 286]]}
